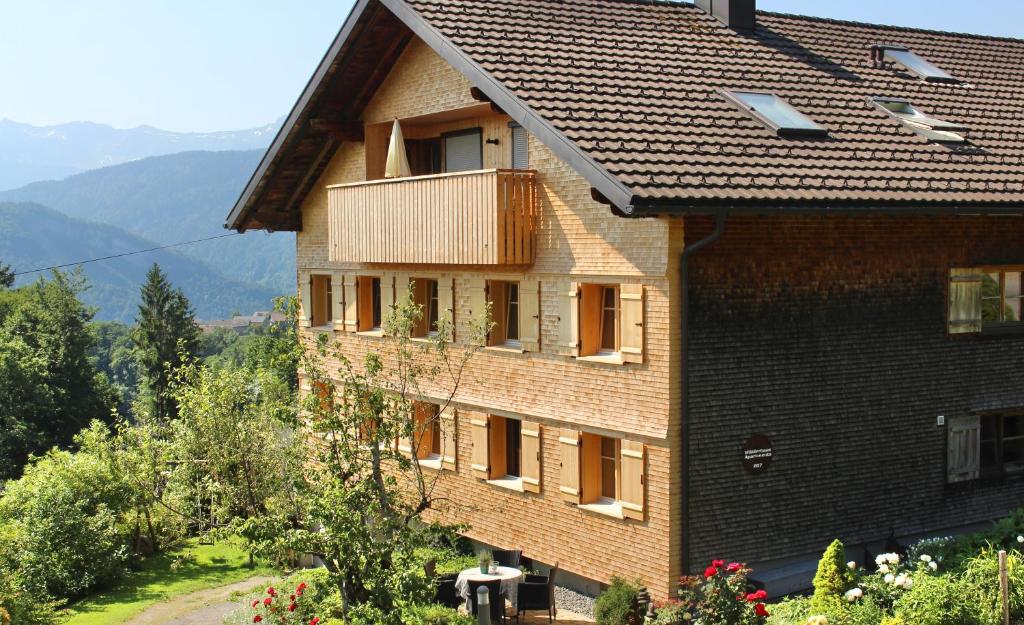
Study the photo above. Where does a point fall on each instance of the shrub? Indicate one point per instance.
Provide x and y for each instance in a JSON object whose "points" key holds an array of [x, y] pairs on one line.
{"points": [[722, 596], [832, 579], [616, 604], [935, 600], [63, 525], [436, 615], [979, 585], [794, 611], [21, 607]]}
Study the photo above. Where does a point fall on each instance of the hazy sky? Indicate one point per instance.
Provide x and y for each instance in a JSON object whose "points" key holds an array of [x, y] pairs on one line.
{"points": [[198, 65]]}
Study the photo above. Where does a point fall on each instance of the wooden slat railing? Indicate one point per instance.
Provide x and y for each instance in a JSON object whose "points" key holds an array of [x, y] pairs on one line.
{"points": [[484, 217]]}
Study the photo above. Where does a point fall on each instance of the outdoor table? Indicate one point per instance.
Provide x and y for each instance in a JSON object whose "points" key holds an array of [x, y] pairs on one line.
{"points": [[509, 582]]}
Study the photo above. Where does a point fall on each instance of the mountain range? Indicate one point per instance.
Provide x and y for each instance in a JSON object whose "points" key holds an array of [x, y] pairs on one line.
{"points": [[32, 153], [143, 204]]}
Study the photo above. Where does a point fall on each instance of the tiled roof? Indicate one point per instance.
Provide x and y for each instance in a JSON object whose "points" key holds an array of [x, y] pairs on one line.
{"points": [[636, 85]]}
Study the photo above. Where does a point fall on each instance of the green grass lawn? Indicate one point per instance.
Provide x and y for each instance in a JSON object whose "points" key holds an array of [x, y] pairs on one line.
{"points": [[209, 567]]}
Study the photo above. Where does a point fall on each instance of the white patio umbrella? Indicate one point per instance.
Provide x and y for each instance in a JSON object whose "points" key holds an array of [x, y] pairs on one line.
{"points": [[398, 161]]}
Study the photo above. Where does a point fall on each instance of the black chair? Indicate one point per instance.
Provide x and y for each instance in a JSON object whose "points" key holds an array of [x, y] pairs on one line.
{"points": [[494, 596], [445, 593], [508, 557], [537, 593]]}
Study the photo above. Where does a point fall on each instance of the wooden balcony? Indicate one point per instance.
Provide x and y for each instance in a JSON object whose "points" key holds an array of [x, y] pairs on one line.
{"points": [[483, 217]]}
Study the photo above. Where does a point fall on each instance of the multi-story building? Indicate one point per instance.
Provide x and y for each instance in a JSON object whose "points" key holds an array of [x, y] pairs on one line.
{"points": [[756, 278]]}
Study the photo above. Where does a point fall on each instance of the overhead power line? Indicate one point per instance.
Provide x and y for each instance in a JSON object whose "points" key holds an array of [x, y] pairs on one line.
{"points": [[122, 255]]}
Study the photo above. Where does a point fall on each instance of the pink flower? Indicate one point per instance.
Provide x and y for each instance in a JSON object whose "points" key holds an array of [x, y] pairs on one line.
{"points": [[718, 563], [256, 604], [733, 567]]}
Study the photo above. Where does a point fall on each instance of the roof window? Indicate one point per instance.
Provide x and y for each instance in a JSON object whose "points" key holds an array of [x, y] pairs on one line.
{"points": [[929, 127], [776, 113], [881, 55]]}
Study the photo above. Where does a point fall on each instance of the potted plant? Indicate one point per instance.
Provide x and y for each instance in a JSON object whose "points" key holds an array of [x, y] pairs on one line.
{"points": [[486, 559]]}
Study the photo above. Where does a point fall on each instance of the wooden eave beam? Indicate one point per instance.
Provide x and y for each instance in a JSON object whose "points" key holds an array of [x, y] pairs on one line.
{"points": [[340, 131], [480, 96]]}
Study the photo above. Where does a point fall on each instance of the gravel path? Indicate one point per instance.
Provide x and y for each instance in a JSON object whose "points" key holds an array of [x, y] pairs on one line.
{"points": [[206, 607]]}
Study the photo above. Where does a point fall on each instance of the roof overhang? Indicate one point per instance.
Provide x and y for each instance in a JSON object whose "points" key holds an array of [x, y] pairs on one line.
{"points": [[364, 51]]}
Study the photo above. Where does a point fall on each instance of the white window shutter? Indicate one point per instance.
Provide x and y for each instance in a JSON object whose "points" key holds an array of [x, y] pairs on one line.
{"points": [[401, 287], [569, 320], [632, 498], [449, 438], [631, 310], [530, 450], [529, 315], [387, 296], [338, 295], [569, 444], [520, 148], [965, 301], [477, 297], [305, 299], [963, 447], [351, 298]]}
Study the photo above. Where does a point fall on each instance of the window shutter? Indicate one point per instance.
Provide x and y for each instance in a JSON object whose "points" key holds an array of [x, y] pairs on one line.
{"points": [[446, 299], [631, 467], [569, 320], [463, 151], [529, 315], [631, 309], [481, 462], [387, 296], [401, 287], [449, 430], [963, 449], [477, 297], [569, 445], [305, 299], [530, 448], [965, 301], [425, 422], [338, 297], [351, 294], [520, 148]]}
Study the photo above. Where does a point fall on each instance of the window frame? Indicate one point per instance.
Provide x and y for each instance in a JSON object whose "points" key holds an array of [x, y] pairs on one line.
{"points": [[889, 53], [816, 131], [999, 467], [932, 128], [369, 295], [1001, 323], [476, 130], [498, 337], [321, 288], [505, 479], [426, 292]]}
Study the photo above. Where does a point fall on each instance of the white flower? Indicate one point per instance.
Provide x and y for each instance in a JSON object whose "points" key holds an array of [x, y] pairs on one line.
{"points": [[880, 559], [1020, 539], [853, 594], [890, 578], [925, 558], [933, 566], [851, 565], [883, 568]]}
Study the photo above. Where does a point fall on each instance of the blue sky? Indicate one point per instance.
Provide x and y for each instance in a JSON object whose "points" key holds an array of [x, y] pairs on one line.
{"points": [[200, 65]]}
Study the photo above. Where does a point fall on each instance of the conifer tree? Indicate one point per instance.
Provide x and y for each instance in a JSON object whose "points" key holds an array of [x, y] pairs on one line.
{"points": [[6, 276], [166, 331]]}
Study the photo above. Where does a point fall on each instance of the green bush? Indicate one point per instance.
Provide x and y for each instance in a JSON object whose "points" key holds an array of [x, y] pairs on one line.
{"points": [[20, 606], [436, 615], [63, 526], [832, 579], [979, 584], [792, 611], [616, 604], [937, 600]]}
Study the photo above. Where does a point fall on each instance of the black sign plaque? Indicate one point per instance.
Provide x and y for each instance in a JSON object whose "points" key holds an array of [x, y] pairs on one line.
{"points": [[757, 453]]}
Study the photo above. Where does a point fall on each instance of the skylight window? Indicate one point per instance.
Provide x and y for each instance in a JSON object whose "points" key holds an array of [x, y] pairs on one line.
{"points": [[930, 127], [776, 113], [912, 63]]}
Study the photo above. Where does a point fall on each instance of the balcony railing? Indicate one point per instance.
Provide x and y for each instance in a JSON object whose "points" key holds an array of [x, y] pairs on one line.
{"points": [[484, 217]]}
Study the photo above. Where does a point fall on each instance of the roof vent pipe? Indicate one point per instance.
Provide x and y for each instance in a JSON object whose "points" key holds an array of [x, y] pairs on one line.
{"points": [[736, 14]]}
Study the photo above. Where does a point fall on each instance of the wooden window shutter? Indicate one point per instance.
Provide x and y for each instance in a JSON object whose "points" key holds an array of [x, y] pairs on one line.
{"points": [[631, 311], [963, 449], [529, 315], [530, 449], [351, 297], [481, 461], [449, 439], [387, 296], [338, 299], [569, 445], [965, 301], [305, 299], [477, 297], [569, 320], [401, 287], [632, 482], [425, 421]]}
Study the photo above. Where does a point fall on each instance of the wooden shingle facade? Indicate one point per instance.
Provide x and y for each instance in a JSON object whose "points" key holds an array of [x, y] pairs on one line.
{"points": [[713, 339]]}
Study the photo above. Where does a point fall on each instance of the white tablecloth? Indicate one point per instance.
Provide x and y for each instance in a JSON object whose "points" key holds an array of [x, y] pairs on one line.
{"points": [[509, 582]]}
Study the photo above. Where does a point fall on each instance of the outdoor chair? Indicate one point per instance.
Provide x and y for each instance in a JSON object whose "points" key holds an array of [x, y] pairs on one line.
{"points": [[445, 593], [508, 557], [495, 597], [537, 595]]}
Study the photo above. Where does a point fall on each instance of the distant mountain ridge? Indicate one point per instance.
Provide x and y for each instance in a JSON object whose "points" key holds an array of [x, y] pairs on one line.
{"points": [[32, 153], [34, 236]]}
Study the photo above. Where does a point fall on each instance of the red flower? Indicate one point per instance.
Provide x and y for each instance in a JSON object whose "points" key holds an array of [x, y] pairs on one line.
{"points": [[733, 567], [271, 591], [298, 591], [710, 572], [315, 621], [292, 607], [267, 601], [255, 604], [257, 618], [718, 563], [302, 586], [760, 610], [761, 595]]}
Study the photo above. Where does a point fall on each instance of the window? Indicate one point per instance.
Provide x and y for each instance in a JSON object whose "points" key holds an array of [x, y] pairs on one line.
{"points": [[603, 474], [520, 147], [775, 113], [609, 468], [506, 452], [924, 125], [610, 319], [1002, 444], [372, 291], [504, 298], [463, 150], [890, 54], [426, 295], [321, 310], [1001, 297]]}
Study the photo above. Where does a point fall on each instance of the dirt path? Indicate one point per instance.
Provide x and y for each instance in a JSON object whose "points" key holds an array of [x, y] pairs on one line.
{"points": [[206, 607]]}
